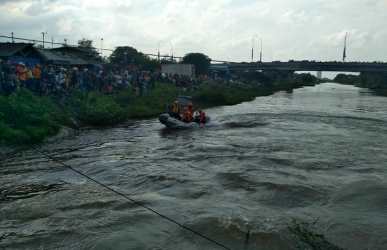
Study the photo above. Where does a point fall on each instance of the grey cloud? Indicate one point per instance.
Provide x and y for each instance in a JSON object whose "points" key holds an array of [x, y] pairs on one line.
{"points": [[300, 29]]}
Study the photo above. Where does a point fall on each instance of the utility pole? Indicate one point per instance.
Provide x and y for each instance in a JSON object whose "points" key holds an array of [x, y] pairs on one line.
{"points": [[345, 47], [101, 45], [260, 53], [171, 52], [65, 42], [13, 41], [252, 49], [52, 42], [43, 33], [158, 52]]}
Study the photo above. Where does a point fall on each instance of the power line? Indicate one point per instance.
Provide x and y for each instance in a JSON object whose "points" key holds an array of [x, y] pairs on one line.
{"points": [[128, 198], [73, 45], [65, 44]]}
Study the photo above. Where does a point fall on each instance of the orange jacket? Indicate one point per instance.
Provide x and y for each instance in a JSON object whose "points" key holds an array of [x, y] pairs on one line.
{"points": [[175, 108], [37, 73], [187, 117]]}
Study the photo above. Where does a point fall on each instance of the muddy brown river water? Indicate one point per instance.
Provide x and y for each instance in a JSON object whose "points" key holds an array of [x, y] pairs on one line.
{"points": [[317, 154]]}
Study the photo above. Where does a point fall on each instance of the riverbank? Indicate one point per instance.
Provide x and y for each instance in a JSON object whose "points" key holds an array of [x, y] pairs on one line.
{"points": [[265, 162], [376, 81], [27, 119]]}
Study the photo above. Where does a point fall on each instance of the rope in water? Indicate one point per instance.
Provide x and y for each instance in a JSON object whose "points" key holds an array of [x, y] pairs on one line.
{"points": [[132, 200]]}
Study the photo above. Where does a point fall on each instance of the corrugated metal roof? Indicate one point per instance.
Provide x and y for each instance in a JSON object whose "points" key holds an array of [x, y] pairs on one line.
{"points": [[64, 56], [89, 56], [10, 49], [58, 57]]}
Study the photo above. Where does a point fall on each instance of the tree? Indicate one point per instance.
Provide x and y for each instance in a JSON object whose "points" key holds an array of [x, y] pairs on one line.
{"points": [[347, 79], [85, 43], [200, 61], [87, 46], [125, 55]]}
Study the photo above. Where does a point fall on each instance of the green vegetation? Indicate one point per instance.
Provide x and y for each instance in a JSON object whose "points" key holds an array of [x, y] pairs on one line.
{"points": [[201, 62], [280, 80], [347, 79], [95, 109], [374, 80], [146, 106], [26, 118], [125, 55], [215, 95]]}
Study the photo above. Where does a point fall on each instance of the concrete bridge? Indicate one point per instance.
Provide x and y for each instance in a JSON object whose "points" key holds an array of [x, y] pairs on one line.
{"points": [[304, 66]]}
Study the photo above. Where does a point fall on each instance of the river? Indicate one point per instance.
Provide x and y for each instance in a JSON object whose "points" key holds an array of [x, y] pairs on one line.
{"points": [[316, 154]]}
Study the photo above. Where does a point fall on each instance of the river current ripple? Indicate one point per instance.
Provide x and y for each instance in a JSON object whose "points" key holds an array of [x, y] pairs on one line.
{"points": [[319, 153]]}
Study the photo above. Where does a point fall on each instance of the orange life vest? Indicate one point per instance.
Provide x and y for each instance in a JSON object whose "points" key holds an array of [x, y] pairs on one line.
{"points": [[37, 73], [187, 116], [175, 108]]}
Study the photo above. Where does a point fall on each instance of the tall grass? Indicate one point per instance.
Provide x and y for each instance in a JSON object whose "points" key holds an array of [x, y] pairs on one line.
{"points": [[95, 109], [26, 118], [153, 103]]}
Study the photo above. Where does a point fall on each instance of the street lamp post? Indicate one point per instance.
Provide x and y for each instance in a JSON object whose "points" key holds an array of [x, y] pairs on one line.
{"points": [[252, 49], [253, 41], [171, 51], [345, 47], [260, 53], [101, 45], [43, 33], [158, 52]]}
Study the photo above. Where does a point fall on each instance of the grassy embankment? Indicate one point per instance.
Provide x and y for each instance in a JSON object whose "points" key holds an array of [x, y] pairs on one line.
{"points": [[376, 81], [347, 79], [26, 118]]}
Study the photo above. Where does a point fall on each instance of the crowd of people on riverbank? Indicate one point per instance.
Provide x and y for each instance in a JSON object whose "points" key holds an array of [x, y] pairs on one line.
{"points": [[59, 80]]}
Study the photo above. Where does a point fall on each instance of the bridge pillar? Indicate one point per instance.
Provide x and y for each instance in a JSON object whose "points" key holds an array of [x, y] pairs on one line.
{"points": [[319, 74]]}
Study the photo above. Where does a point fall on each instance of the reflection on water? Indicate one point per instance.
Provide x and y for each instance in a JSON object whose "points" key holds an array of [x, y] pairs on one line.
{"points": [[318, 152]]}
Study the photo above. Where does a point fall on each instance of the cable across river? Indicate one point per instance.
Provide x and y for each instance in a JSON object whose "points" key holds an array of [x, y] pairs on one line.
{"points": [[128, 198]]}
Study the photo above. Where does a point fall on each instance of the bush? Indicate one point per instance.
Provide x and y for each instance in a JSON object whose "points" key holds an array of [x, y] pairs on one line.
{"points": [[96, 109], [26, 118], [219, 95], [154, 103], [347, 79]]}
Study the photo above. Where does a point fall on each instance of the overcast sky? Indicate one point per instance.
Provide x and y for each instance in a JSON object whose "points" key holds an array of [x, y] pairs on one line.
{"points": [[223, 29]]}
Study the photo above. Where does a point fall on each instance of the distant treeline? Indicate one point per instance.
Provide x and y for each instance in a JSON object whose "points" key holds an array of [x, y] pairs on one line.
{"points": [[347, 79], [275, 78], [372, 80]]}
